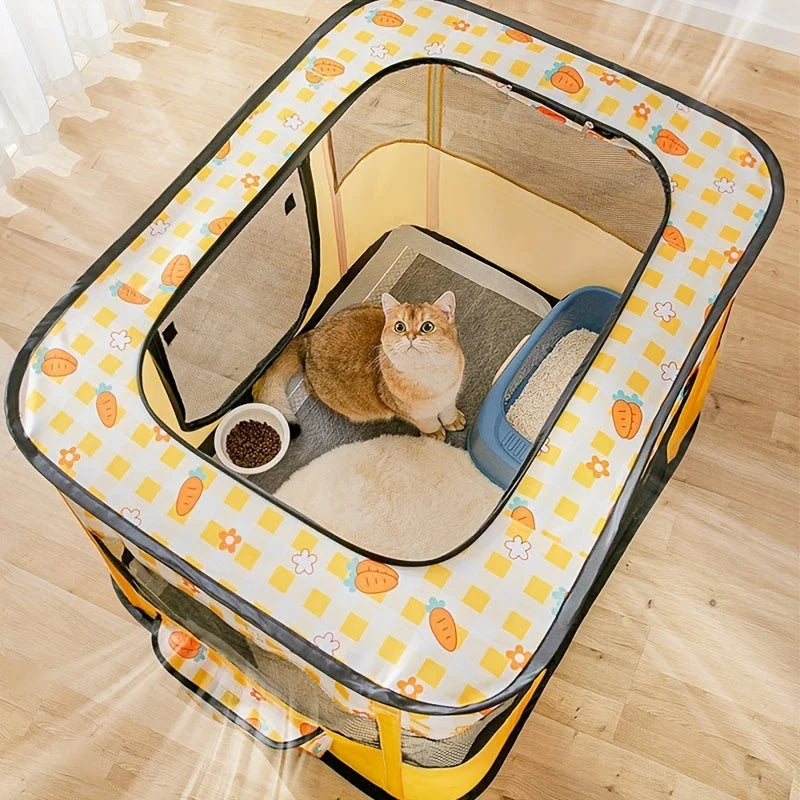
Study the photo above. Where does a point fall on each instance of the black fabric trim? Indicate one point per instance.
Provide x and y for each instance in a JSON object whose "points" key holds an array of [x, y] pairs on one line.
{"points": [[152, 338], [162, 365], [169, 333], [152, 626], [591, 572], [127, 558]]}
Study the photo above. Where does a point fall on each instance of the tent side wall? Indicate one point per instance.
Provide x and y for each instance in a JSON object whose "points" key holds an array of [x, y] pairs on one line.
{"points": [[228, 692], [410, 183]]}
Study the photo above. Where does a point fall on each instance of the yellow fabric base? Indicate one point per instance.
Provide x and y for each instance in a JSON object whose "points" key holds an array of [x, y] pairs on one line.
{"points": [[391, 750], [694, 403], [419, 783]]}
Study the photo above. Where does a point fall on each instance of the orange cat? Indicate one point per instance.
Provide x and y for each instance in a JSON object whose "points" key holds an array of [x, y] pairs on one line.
{"points": [[373, 363]]}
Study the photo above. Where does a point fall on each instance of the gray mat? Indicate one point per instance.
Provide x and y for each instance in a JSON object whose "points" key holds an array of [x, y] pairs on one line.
{"points": [[489, 326]]}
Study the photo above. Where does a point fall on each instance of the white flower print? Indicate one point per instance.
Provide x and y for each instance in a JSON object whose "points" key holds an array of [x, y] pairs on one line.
{"points": [[724, 186], [304, 562], [682, 107], [119, 340], [545, 448], [378, 51], [669, 371], [434, 48], [133, 515], [293, 121], [673, 185], [328, 643], [517, 548], [158, 227], [664, 311]]}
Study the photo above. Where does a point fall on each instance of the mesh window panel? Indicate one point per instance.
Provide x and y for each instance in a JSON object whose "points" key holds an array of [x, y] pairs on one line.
{"points": [[273, 673], [453, 750], [394, 108], [243, 304], [602, 182], [290, 683]]}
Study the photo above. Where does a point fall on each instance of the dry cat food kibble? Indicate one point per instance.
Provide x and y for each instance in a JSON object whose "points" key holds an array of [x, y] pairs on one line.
{"points": [[535, 402], [252, 444]]}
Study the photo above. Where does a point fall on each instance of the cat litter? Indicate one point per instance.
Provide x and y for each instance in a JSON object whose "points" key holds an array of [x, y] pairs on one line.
{"points": [[530, 410]]}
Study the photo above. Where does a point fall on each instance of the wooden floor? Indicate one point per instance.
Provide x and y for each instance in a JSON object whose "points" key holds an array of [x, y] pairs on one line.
{"points": [[682, 682]]}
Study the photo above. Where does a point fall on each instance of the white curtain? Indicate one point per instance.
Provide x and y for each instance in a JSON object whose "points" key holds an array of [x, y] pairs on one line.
{"points": [[37, 41]]}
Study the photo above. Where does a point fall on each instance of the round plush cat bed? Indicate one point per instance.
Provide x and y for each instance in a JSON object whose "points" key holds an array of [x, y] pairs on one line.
{"points": [[403, 497]]}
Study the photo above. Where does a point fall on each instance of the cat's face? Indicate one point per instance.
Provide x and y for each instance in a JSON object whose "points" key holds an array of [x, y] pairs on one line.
{"points": [[419, 334]]}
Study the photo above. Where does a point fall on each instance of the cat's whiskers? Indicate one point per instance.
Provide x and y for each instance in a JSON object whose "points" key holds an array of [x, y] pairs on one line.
{"points": [[381, 358]]}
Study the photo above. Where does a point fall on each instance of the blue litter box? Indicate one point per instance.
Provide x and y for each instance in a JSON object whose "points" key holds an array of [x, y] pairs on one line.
{"points": [[495, 447]]}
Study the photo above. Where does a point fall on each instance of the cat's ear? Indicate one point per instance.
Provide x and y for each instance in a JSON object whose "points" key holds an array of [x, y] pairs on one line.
{"points": [[388, 302], [447, 304]]}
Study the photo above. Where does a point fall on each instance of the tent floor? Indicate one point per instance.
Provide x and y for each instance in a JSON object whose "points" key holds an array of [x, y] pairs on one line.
{"points": [[494, 312]]}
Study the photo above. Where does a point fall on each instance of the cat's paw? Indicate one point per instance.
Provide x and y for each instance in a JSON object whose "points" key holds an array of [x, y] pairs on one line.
{"points": [[437, 434], [458, 424]]}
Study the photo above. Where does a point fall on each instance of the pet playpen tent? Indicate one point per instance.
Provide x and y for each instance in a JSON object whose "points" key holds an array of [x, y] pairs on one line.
{"points": [[555, 165]]}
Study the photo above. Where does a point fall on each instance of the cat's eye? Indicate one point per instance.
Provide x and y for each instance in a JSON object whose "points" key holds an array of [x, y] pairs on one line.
{"points": [[400, 327], [427, 327]]}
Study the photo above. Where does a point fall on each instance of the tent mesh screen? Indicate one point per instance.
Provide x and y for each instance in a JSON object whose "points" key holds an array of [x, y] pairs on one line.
{"points": [[604, 183], [393, 109], [242, 305], [290, 683], [487, 123]]}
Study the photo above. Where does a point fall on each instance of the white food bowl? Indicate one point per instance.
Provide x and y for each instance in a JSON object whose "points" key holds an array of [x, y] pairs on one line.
{"points": [[260, 412]]}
